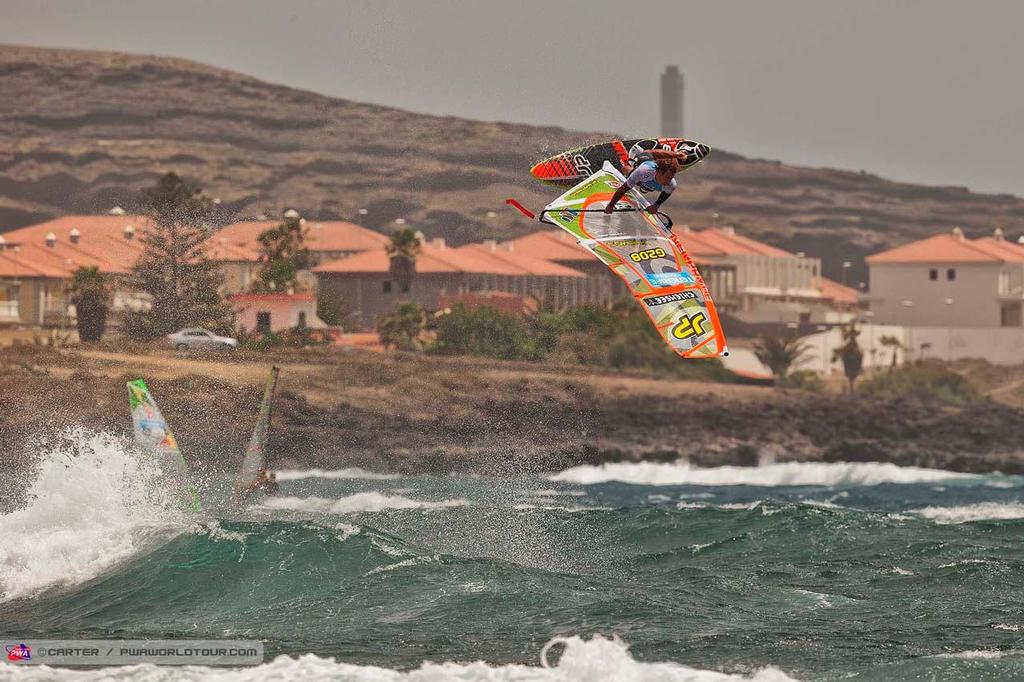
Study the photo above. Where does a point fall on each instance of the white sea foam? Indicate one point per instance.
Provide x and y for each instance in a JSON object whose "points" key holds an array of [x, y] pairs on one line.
{"points": [[769, 475], [975, 654], [359, 502], [353, 472], [594, 660], [983, 511], [550, 492], [93, 503]]}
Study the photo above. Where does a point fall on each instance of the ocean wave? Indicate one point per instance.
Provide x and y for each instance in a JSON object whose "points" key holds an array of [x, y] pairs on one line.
{"points": [[595, 660], [359, 502], [352, 472], [983, 511], [93, 503], [829, 474]]}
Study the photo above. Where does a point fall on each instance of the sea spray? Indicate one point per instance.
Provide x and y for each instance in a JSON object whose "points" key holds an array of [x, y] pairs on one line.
{"points": [[93, 502]]}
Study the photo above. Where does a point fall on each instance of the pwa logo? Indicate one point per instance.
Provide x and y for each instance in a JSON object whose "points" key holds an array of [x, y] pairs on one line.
{"points": [[19, 652]]}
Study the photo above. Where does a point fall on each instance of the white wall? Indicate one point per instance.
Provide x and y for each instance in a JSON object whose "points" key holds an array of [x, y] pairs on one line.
{"points": [[999, 345], [975, 293]]}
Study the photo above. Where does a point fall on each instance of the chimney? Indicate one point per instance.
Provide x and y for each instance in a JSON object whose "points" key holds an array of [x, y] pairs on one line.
{"points": [[729, 230], [958, 233], [997, 234], [684, 229], [129, 232], [75, 235], [117, 210], [437, 242], [51, 239], [491, 244]]}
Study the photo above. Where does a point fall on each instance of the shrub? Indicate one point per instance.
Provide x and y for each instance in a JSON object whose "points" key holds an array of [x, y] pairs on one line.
{"points": [[926, 381], [486, 332], [804, 380]]}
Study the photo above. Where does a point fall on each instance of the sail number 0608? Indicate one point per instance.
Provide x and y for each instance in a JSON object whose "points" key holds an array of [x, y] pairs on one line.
{"points": [[638, 256]]}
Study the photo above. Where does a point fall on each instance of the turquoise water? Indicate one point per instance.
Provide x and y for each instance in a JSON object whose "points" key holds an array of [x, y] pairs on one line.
{"points": [[805, 571]]}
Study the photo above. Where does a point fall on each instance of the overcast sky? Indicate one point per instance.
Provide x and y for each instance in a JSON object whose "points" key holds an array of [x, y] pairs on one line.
{"points": [[919, 90]]}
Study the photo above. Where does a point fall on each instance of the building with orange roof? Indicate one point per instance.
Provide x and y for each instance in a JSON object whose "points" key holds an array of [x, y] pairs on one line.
{"points": [[751, 280], [38, 262], [762, 284], [275, 311], [326, 240], [362, 284], [949, 280]]}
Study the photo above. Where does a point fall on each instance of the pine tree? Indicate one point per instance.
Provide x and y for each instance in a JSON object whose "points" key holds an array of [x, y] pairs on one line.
{"points": [[182, 283]]}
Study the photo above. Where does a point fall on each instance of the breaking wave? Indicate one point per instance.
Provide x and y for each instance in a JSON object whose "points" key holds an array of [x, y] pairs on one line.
{"points": [[830, 474], [984, 511], [337, 474], [359, 502], [93, 503]]}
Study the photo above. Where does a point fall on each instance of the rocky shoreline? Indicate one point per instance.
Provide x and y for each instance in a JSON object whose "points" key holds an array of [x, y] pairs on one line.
{"points": [[412, 414]]}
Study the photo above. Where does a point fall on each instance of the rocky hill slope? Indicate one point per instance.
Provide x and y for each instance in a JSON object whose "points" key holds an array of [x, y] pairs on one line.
{"points": [[81, 131]]}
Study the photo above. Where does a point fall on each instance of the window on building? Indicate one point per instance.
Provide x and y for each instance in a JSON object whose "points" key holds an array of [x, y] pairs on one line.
{"points": [[933, 274], [302, 319], [263, 323], [1010, 315], [387, 286], [951, 274], [405, 288]]}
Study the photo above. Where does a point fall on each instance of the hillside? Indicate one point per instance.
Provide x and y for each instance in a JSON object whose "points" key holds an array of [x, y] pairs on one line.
{"points": [[81, 131]]}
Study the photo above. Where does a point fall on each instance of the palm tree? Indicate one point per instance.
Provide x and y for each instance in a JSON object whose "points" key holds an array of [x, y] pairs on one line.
{"points": [[90, 292], [779, 353], [894, 343], [850, 353], [402, 249]]}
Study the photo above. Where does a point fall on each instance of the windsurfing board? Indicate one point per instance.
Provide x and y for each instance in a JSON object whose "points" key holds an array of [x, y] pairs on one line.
{"points": [[568, 168]]}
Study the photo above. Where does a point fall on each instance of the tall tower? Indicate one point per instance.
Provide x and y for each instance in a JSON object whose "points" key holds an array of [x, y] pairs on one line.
{"points": [[671, 102]]}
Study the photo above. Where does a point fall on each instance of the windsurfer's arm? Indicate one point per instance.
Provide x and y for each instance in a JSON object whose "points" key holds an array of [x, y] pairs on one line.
{"points": [[656, 206], [659, 154], [619, 193]]}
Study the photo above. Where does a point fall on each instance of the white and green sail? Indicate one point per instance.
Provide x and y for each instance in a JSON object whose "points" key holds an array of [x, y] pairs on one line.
{"points": [[255, 458], [650, 259], [154, 437]]}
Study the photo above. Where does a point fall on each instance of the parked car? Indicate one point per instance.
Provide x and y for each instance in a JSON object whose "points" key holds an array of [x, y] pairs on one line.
{"points": [[197, 338]]}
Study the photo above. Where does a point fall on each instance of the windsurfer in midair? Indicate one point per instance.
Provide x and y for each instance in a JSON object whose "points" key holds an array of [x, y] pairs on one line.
{"points": [[655, 170]]}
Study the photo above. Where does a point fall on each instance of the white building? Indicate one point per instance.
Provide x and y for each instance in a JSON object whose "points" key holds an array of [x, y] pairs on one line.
{"points": [[949, 281]]}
